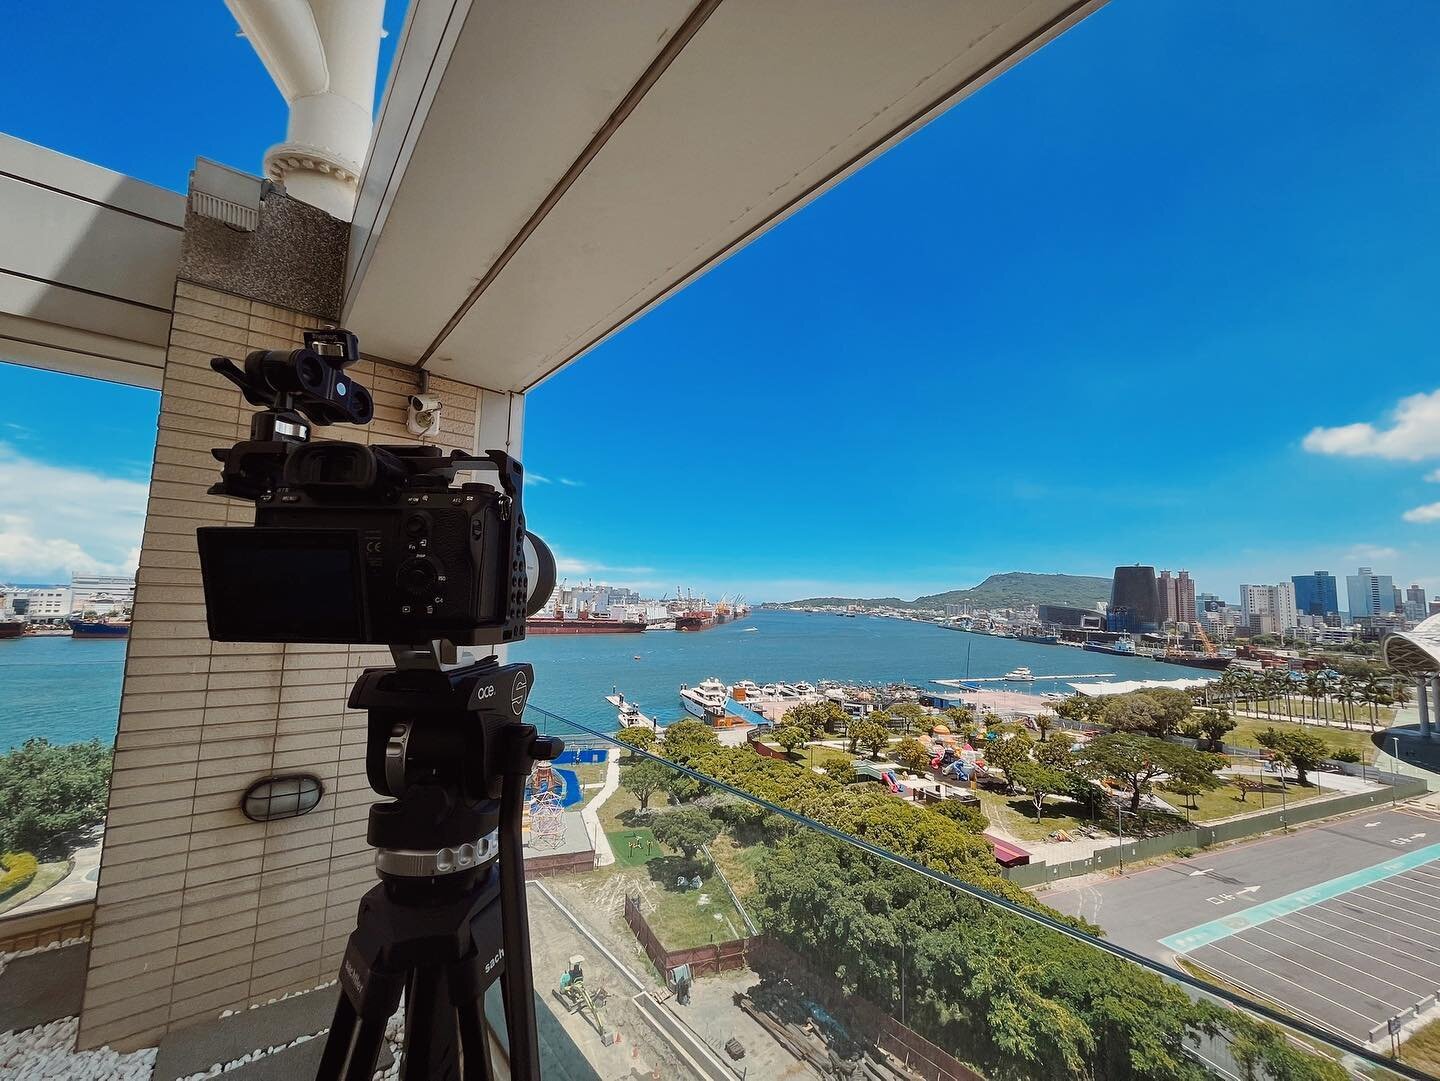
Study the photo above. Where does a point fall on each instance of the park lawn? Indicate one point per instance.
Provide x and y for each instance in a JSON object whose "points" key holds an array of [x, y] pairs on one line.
{"points": [[1423, 1048], [1384, 715], [589, 772], [741, 863], [1016, 815], [45, 876], [1357, 739], [682, 922], [830, 759], [634, 847], [1225, 802]]}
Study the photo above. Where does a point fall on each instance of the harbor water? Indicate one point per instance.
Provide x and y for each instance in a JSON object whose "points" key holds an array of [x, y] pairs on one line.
{"points": [[69, 690]]}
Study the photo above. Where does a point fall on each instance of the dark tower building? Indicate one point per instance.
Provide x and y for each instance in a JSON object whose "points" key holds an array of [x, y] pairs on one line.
{"points": [[1135, 591]]}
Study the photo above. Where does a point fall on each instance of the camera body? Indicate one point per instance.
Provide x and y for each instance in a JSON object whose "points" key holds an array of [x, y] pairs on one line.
{"points": [[354, 544]]}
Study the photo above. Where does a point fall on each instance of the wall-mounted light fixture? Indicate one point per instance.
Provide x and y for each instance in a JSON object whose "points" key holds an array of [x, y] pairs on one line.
{"points": [[273, 798]]}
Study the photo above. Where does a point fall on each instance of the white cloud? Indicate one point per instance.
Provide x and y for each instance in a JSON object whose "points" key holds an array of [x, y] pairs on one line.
{"points": [[536, 478], [1433, 476], [55, 520], [1370, 553], [1413, 434], [572, 483], [1430, 512], [570, 565]]}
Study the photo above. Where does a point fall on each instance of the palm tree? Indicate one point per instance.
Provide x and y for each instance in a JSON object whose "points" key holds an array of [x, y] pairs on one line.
{"points": [[1314, 688]]}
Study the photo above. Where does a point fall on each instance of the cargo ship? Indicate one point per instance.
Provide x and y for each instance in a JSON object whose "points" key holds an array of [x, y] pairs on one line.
{"points": [[1216, 663], [583, 623], [11, 626], [1038, 638], [99, 628], [1124, 646], [697, 619]]}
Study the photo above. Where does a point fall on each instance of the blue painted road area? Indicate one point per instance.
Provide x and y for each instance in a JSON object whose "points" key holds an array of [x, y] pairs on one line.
{"points": [[1216, 930]]}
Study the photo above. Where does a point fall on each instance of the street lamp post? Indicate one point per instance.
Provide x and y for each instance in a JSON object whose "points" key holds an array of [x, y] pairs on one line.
{"points": [[1395, 770]]}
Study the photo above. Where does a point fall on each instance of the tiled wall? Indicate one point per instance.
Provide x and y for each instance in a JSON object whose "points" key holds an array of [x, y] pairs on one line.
{"points": [[199, 909]]}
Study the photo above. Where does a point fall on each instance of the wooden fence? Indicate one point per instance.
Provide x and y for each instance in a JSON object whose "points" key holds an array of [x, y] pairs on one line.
{"points": [[927, 1059], [703, 960]]}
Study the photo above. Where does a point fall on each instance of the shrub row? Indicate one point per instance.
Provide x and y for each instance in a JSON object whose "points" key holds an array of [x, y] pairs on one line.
{"points": [[19, 869]]}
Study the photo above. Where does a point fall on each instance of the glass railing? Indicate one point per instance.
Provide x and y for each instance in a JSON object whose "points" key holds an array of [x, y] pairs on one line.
{"points": [[681, 926]]}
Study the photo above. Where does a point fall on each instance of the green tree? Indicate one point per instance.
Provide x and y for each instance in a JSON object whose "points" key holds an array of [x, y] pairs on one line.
{"points": [[644, 778], [688, 740], [869, 734], [1137, 761], [817, 718], [908, 715], [50, 795], [960, 720], [1302, 750], [790, 736], [1038, 780], [637, 737], [688, 829], [1055, 752], [1213, 725], [1007, 754], [913, 755]]}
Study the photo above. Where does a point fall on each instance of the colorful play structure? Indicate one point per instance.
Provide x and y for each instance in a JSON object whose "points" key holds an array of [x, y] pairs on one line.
{"points": [[544, 819]]}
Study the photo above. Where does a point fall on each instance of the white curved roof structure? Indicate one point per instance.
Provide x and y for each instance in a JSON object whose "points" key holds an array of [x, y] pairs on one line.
{"points": [[1415, 652]]}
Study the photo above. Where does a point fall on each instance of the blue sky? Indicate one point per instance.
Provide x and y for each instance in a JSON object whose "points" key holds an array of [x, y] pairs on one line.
{"points": [[1156, 295]]}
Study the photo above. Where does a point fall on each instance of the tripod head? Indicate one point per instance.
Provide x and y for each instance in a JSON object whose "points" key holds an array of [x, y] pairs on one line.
{"points": [[441, 742]]}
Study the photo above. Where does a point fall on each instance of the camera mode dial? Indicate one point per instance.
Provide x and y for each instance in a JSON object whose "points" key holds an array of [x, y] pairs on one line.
{"points": [[418, 576]]}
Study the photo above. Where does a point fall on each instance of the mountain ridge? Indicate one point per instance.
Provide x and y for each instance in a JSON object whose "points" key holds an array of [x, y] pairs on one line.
{"points": [[1011, 589]]}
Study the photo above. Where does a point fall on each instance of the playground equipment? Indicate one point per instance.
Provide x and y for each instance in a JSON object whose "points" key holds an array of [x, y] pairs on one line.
{"points": [[577, 998], [544, 808]]}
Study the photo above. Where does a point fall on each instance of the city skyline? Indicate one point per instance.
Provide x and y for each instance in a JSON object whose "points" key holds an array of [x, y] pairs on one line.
{"points": [[925, 332]]}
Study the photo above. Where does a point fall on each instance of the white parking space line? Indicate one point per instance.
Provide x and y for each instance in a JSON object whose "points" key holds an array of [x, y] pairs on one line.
{"points": [[1408, 895], [1375, 914], [1301, 987], [1309, 915], [1429, 981], [1332, 959], [1370, 897], [1314, 972]]}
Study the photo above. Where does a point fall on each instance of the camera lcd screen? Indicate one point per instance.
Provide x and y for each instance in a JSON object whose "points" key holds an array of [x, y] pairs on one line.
{"points": [[282, 585]]}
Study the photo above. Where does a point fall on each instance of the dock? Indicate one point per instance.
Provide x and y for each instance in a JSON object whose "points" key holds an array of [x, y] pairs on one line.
{"points": [[1001, 679]]}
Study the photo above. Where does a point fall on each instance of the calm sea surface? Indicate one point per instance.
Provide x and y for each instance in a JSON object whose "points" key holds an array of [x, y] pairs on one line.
{"points": [[66, 690]]}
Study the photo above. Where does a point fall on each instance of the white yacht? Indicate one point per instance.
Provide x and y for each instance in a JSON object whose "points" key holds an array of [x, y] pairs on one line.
{"points": [[1019, 675], [805, 688], [706, 701], [748, 688]]}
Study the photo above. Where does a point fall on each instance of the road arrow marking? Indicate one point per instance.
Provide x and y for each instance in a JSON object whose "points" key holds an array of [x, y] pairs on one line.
{"points": [[1371, 825], [1248, 889], [1197, 874]]}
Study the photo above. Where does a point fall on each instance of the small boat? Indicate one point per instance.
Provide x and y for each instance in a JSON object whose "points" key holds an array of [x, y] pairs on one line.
{"points": [[1019, 675], [637, 656]]}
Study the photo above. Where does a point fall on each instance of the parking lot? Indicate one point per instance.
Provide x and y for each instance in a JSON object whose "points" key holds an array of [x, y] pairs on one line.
{"points": [[1338, 924]]}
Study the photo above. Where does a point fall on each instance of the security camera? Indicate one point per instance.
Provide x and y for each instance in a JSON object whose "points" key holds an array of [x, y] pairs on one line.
{"points": [[423, 417]]}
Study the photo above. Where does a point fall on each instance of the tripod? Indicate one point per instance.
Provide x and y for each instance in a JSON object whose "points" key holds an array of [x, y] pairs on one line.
{"points": [[448, 918]]}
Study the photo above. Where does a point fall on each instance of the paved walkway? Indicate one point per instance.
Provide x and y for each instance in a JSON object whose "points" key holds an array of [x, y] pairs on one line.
{"points": [[78, 885], [590, 812]]}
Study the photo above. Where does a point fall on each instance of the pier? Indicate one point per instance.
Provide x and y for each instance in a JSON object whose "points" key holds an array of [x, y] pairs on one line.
{"points": [[1036, 679]]}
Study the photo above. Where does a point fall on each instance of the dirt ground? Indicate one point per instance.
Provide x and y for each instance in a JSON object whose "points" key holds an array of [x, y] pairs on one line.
{"points": [[712, 1013]]}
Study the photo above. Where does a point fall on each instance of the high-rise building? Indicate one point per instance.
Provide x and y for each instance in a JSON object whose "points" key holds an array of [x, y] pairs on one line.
{"points": [[1177, 597], [1370, 594], [1133, 590], [1316, 594], [1415, 604], [1435, 607], [1063, 615], [1269, 609]]}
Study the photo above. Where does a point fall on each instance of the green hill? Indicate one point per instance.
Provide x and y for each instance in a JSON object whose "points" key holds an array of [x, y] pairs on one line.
{"points": [[1015, 589]]}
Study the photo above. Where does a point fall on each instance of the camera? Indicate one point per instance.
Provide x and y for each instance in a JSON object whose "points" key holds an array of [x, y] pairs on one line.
{"points": [[361, 544], [423, 417]]}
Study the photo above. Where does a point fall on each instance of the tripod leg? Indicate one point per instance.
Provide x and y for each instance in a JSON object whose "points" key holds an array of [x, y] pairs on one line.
{"points": [[515, 931], [474, 1043], [432, 1037], [337, 1043]]}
